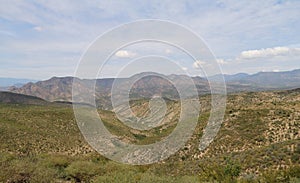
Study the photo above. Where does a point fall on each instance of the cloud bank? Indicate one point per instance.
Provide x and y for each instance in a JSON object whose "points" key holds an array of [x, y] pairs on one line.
{"points": [[269, 52]]}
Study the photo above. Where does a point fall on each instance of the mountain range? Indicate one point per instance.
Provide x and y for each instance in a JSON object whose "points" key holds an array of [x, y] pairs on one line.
{"points": [[266, 80], [151, 84]]}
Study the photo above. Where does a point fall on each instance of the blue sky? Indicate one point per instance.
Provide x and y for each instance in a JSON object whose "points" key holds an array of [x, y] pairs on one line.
{"points": [[41, 39]]}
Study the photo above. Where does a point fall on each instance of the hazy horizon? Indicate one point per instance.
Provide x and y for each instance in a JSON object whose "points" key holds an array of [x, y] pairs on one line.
{"points": [[41, 79]]}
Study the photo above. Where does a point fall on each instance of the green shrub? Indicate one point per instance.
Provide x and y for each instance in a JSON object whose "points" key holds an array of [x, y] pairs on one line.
{"points": [[116, 177], [83, 170]]}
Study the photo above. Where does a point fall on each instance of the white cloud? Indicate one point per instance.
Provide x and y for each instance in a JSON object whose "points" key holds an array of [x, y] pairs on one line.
{"points": [[38, 28], [184, 68], [198, 63], [269, 52], [125, 54]]}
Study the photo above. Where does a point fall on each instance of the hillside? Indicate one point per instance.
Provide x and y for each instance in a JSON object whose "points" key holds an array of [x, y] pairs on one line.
{"points": [[259, 141], [14, 98]]}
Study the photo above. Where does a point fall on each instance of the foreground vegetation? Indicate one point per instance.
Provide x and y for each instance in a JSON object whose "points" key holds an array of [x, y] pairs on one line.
{"points": [[258, 142], [94, 168]]}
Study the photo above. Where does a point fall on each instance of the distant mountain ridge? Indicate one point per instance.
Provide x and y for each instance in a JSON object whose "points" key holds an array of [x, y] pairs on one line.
{"points": [[285, 79], [6, 82], [60, 88], [262, 81]]}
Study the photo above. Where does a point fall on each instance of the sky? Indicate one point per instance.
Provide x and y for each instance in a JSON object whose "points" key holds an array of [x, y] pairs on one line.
{"points": [[41, 39]]}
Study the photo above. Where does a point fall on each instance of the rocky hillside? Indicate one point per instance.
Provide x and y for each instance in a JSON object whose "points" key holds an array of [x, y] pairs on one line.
{"points": [[52, 89]]}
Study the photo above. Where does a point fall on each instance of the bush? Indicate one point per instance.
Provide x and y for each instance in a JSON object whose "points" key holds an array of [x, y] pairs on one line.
{"points": [[83, 170], [116, 177]]}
